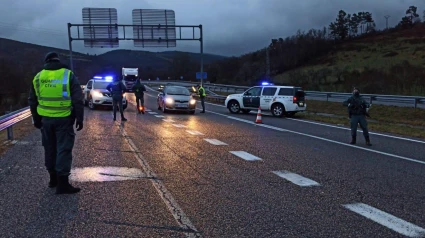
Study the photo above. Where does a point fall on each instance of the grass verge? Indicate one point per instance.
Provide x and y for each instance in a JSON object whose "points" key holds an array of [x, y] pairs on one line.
{"points": [[403, 121], [20, 131]]}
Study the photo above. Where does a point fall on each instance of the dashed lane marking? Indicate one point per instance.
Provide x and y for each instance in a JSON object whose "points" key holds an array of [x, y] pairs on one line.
{"points": [[153, 113], [163, 192], [195, 133], [320, 138], [394, 223], [179, 125], [245, 155], [215, 142], [168, 120], [296, 178], [160, 116]]}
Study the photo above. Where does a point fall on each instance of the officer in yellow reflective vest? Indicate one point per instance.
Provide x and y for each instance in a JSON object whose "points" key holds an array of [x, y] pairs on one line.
{"points": [[202, 95], [56, 103]]}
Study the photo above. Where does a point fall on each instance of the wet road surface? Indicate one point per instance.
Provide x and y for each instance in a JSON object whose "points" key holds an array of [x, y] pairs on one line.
{"points": [[216, 175]]}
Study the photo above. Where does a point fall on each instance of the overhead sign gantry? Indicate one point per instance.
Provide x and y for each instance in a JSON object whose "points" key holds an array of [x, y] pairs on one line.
{"points": [[150, 28]]}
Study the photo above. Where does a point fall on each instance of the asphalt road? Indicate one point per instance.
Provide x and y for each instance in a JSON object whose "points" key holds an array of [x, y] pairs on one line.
{"points": [[217, 175], [407, 103]]}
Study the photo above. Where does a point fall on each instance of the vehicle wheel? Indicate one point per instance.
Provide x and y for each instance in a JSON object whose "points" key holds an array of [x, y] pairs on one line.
{"points": [[278, 110], [234, 106], [124, 106], [246, 111], [192, 112], [91, 104]]}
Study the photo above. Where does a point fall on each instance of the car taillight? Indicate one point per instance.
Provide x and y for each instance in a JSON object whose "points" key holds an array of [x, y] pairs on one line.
{"points": [[295, 100]]}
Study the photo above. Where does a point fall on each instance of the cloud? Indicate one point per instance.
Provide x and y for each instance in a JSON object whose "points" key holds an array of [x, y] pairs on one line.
{"points": [[230, 27]]}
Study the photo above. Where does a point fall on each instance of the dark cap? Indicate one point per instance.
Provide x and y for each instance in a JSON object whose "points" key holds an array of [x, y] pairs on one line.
{"points": [[51, 56]]}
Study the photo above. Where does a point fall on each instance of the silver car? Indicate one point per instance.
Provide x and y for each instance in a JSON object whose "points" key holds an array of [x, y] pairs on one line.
{"points": [[176, 98]]}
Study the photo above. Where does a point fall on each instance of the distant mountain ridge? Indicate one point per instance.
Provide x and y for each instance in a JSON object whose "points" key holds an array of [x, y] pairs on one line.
{"points": [[30, 57]]}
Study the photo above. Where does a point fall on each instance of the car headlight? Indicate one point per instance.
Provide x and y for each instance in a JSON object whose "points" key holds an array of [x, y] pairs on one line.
{"points": [[96, 94], [169, 100], [192, 101]]}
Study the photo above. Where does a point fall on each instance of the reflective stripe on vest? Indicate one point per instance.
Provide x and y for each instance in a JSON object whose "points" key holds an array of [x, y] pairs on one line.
{"points": [[53, 93]]}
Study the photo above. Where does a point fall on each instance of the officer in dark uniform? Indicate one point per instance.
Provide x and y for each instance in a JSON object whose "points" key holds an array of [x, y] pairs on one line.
{"points": [[357, 107], [202, 95], [139, 90], [117, 89], [56, 103]]}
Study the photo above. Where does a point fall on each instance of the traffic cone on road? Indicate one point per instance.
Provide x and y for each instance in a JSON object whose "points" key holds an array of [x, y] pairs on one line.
{"points": [[259, 120]]}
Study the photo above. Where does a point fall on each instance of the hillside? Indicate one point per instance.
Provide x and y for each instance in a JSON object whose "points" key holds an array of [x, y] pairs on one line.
{"points": [[152, 63], [387, 53], [348, 52], [20, 61]]}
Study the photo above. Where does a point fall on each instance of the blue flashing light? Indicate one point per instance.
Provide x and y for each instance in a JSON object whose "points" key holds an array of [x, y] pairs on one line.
{"points": [[97, 77], [109, 78], [265, 83]]}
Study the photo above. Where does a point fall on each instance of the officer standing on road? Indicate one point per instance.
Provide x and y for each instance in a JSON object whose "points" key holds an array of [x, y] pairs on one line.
{"points": [[56, 103], [357, 110], [139, 90], [117, 89], [202, 95]]}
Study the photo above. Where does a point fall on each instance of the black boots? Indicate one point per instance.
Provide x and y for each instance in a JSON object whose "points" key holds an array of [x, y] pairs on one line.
{"points": [[368, 141], [64, 187], [353, 140], [53, 179]]}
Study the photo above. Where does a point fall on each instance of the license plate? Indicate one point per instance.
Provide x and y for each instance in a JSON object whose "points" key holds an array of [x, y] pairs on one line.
{"points": [[301, 104], [181, 105]]}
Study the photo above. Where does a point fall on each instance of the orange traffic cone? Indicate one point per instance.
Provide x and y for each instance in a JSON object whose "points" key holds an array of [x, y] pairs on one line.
{"points": [[259, 120]]}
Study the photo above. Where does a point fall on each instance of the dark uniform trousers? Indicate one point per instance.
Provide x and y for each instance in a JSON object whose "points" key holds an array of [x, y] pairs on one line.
{"points": [[140, 98], [202, 103], [358, 119], [117, 100], [58, 139]]}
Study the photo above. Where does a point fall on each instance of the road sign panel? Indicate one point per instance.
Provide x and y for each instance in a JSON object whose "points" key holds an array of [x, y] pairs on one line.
{"points": [[198, 75], [153, 28], [100, 36]]}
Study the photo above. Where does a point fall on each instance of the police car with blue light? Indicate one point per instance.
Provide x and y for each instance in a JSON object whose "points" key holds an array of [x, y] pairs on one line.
{"points": [[95, 93], [279, 100]]}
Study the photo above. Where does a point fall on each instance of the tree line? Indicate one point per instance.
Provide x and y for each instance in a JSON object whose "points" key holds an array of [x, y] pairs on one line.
{"points": [[305, 47]]}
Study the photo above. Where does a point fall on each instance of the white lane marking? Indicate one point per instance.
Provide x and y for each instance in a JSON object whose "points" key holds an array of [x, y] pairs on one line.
{"points": [[344, 128], [148, 110], [153, 113], [324, 139], [215, 142], [320, 138], [163, 192], [168, 120], [179, 125], [337, 127], [296, 179], [159, 116], [245, 155], [387, 220], [195, 133]]}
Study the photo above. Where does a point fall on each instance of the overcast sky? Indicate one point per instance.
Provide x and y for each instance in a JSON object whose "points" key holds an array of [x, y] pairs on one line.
{"points": [[231, 27]]}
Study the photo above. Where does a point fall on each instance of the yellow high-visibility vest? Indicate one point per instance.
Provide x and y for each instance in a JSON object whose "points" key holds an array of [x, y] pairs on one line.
{"points": [[203, 94], [53, 93]]}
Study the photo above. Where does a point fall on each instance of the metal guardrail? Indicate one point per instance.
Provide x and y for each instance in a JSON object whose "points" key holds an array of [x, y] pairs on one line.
{"points": [[7, 121], [415, 101]]}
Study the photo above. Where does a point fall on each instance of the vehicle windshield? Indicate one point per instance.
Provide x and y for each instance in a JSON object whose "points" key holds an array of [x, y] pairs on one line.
{"points": [[130, 78], [177, 91], [100, 85]]}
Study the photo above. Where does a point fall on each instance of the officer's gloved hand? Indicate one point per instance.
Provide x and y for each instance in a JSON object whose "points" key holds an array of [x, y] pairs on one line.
{"points": [[79, 125], [38, 124]]}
